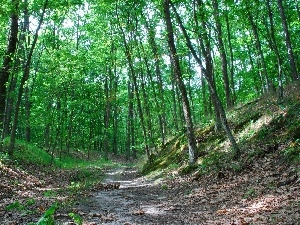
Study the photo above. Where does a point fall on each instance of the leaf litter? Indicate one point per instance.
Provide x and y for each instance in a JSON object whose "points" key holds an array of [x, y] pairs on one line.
{"points": [[267, 192]]}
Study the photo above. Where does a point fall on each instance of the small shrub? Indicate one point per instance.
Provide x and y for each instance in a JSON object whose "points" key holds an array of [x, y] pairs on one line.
{"points": [[14, 205], [250, 193], [50, 193], [188, 169], [164, 187], [48, 217], [76, 218], [292, 152]]}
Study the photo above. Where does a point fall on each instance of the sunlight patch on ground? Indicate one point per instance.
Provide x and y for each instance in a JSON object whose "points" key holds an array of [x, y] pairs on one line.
{"points": [[140, 182], [265, 203], [253, 128], [153, 210]]}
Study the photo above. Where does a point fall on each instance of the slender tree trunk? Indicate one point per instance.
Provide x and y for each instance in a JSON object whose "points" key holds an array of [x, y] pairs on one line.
{"points": [[27, 115], [219, 108], [115, 107], [154, 48], [8, 58], [9, 107], [175, 111], [266, 83], [129, 142], [157, 105], [26, 44], [232, 86], [180, 83], [294, 74], [274, 47], [107, 113], [23, 80], [205, 47], [229, 101]]}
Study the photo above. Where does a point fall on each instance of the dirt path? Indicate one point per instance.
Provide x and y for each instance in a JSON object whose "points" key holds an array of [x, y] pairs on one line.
{"points": [[241, 200], [137, 201]]}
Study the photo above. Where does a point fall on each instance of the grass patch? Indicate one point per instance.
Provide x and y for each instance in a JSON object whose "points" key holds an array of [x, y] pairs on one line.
{"points": [[29, 153]]}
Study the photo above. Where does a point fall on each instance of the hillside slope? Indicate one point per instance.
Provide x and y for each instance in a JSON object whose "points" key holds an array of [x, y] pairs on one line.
{"points": [[264, 127]]}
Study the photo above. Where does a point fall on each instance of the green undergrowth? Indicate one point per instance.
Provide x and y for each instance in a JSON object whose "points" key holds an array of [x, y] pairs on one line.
{"points": [[261, 127], [81, 173], [74, 177], [27, 153]]}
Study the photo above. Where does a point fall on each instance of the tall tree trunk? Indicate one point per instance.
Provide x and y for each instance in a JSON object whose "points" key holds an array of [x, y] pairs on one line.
{"points": [[180, 83], [229, 102], [157, 105], [133, 79], [294, 74], [274, 47], [266, 83], [205, 47], [219, 108], [154, 48], [232, 86], [175, 111], [130, 124], [27, 115], [8, 57], [23, 80], [115, 105], [107, 112]]}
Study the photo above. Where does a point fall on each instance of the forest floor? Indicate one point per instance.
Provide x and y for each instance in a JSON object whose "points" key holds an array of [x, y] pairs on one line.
{"points": [[267, 192], [261, 195]]}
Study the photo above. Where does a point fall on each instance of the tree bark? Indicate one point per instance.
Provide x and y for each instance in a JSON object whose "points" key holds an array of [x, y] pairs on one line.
{"points": [[229, 102], [266, 83], [274, 47], [232, 86], [294, 74], [180, 83], [219, 108], [162, 113], [22, 83], [8, 58]]}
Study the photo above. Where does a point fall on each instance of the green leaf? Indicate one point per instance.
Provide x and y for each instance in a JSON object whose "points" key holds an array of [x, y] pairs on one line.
{"points": [[14, 205], [76, 218]]}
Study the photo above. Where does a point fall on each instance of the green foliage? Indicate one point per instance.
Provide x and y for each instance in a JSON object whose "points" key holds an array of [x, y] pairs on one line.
{"points": [[164, 187], [14, 205], [214, 161], [31, 154], [188, 169], [23, 208], [76, 218], [70, 162], [48, 217], [3, 157], [250, 193], [292, 152], [50, 193]]}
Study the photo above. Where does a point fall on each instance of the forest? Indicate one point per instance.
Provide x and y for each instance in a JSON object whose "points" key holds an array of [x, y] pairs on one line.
{"points": [[176, 84]]}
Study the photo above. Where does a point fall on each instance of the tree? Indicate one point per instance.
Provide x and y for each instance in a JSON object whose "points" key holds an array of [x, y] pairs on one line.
{"points": [[22, 83], [294, 74], [218, 105], [180, 83], [8, 58]]}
